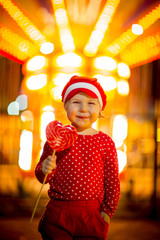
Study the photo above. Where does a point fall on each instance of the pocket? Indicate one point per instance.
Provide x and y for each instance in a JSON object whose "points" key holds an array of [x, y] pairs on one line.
{"points": [[101, 218]]}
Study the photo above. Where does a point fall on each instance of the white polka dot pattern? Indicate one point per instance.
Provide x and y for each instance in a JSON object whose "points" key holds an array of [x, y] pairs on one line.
{"points": [[88, 170]]}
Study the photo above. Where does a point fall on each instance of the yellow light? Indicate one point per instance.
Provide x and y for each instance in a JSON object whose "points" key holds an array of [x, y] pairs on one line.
{"points": [[69, 60], [46, 118], [17, 41], [47, 48], [22, 101], [48, 108], [100, 28], [36, 82], [123, 87], [105, 63], [120, 128], [36, 63], [56, 93], [26, 25], [67, 40], [123, 70], [158, 134], [25, 153], [142, 51], [63, 25], [13, 108], [137, 29], [108, 83], [60, 79], [122, 160], [128, 37], [14, 52], [61, 17]]}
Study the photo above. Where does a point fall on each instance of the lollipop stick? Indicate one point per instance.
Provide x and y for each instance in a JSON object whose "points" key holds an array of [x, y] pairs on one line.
{"points": [[39, 195]]}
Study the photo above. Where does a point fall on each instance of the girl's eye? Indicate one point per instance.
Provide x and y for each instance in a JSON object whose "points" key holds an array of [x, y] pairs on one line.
{"points": [[76, 102], [91, 103]]}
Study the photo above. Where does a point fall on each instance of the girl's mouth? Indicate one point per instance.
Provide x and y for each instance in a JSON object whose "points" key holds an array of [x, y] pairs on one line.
{"points": [[82, 117]]}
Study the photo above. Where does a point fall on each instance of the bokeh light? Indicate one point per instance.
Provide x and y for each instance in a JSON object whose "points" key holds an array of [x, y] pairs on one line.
{"points": [[120, 127], [36, 63], [13, 108], [22, 101], [137, 29], [107, 82], [69, 60], [105, 63], [123, 87], [122, 160], [123, 70], [47, 48], [25, 153], [46, 117], [36, 82]]}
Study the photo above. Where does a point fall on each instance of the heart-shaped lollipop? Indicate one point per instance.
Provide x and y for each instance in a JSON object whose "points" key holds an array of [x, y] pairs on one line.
{"points": [[60, 137]]}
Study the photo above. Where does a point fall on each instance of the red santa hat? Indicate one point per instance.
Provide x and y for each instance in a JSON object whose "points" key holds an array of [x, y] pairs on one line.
{"points": [[84, 84]]}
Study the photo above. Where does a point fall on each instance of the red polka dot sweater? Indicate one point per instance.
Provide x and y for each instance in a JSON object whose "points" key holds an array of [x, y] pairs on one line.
{"points": [[88, 170]]}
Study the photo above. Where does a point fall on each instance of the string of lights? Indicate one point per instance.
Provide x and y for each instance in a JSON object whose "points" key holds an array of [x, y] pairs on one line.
{"points": [[128, 37], [100, 28], [61, 17]]}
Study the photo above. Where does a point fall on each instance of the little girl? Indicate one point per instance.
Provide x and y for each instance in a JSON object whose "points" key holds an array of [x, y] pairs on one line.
{"points": [[84, 180]]}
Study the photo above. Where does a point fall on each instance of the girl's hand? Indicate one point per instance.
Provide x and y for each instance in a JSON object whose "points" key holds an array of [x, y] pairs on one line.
{"points": [[105, 216], [49, 164]]}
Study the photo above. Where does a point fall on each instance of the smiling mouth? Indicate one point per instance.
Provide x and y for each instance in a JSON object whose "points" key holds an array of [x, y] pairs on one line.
{"points": [[82, 117]]}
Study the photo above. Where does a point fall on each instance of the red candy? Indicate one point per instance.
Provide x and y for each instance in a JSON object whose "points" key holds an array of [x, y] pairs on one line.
{"points": [[60, 137]]}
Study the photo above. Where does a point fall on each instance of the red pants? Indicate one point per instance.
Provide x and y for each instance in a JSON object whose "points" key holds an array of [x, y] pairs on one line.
{"points": [[68, 220]]}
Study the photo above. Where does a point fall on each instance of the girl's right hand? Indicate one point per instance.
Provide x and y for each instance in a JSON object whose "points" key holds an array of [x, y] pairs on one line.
{"points": [[49, 164]]}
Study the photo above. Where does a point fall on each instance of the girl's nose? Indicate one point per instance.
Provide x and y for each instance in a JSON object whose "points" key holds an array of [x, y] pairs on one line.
{"points": [[83, 107]]}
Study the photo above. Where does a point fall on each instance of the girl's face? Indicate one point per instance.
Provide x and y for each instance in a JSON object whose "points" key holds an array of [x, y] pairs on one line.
{"points": [[82, 110]]}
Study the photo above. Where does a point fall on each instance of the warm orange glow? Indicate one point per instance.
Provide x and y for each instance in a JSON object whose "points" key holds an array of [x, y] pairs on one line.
{"points": [[19, 43], [101, 26], [105, 63], [26, 25], [61, 17], [36, 82], [128, 37], [107, 82], [37, 63], [27, 116], [8, 48], [142, 51], [158, 135]]}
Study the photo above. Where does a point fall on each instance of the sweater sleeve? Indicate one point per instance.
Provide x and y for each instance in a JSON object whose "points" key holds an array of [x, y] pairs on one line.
{"points": [[111, 180], [47, 150]]}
